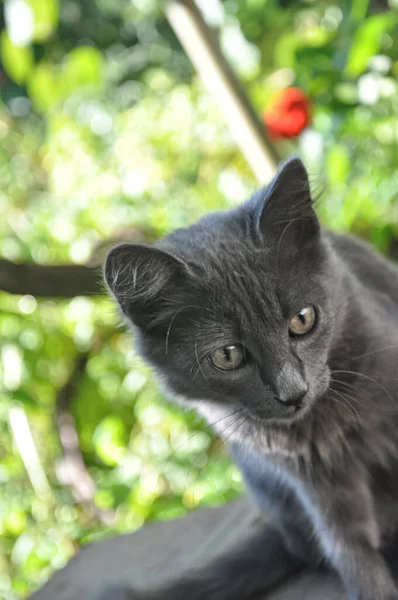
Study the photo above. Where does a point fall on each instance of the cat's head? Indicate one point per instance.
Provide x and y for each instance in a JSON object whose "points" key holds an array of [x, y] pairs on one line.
{"points": [[236, 313]]}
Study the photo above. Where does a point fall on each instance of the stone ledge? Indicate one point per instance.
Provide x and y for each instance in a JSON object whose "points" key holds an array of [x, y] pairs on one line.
{"points": [[162, 551]]}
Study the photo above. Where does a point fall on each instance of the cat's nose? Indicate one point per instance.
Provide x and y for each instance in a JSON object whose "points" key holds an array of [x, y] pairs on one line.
{"points": [[291, 386], [293, 398]]}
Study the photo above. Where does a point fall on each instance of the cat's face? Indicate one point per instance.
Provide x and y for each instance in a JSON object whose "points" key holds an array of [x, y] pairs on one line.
{"points": [[237, 313]]}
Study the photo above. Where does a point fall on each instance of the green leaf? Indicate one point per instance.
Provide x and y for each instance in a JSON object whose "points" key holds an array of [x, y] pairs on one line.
{"points": [[50, 84], [46, 13], [26, 399], [367, 42], [285, 50], [17, 60], [338, 164], [359, 9], [15, 522], [109, 440], [346, 92], [83, 67], [44, 87]]}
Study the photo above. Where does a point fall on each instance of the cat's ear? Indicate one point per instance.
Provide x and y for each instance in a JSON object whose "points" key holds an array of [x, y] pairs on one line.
{"points": [[286, 212], [142, 278]]}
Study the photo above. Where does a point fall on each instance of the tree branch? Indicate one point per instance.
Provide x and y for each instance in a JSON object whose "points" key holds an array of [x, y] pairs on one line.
{"points": [[66, 281], [201, 45], [55, 281], [71, 469]]}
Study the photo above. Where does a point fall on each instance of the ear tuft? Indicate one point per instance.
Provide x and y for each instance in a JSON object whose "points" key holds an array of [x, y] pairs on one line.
{"points": [[140, 276]]}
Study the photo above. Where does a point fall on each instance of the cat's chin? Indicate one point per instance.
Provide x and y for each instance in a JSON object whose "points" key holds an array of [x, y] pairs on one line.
{"points": [[235, 421], [279, 414]]}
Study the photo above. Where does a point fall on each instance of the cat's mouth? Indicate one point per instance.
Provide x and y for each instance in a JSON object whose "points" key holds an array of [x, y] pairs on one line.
{"points": [[277, 411], [297, 406]]}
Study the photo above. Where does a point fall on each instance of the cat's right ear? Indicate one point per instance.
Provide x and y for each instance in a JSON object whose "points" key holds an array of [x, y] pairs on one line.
{"points": [[285, 211], [142, 279]]}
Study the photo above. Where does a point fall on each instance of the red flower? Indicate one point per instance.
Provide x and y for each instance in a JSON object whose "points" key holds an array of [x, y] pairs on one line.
{"points": [[288, 113]]}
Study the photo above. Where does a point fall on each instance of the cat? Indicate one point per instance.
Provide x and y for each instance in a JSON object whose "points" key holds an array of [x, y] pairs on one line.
{"points": [[285, 337]]}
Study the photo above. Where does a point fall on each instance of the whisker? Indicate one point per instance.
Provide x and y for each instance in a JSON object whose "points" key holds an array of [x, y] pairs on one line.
{"points": [[204, 429], [245, 419], [370, 379], [178, 312], [374, 352], [350, 386], [196, 373], [288, 223], [171, 323], [346, 404], [199, 365], [347, 398], [241, 445], [222, 441]]}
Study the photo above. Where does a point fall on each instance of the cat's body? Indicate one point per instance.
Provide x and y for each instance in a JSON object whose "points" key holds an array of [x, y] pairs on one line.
{"points": [[286, 338]]}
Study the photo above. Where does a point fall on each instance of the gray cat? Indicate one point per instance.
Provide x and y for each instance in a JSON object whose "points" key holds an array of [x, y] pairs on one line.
{"points": [[285, 337]]}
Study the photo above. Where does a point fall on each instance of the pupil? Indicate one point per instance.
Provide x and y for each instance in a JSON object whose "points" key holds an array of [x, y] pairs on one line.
{"points": [[227, 353], [301, 316]]}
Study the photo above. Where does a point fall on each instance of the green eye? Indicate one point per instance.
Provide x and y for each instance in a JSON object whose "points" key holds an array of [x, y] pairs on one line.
{"points": [[228, 358], [303, 321]]}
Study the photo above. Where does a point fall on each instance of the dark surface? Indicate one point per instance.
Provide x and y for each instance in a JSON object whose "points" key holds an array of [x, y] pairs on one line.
{"points": [[61, 281], [164, 550]]}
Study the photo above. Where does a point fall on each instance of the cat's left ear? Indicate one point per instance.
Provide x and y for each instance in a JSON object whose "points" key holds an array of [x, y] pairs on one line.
{"points": [[286, 212]]}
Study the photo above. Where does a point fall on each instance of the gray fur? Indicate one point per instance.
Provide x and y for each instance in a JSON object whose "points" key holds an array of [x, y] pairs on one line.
{"points": [[327, 468]]}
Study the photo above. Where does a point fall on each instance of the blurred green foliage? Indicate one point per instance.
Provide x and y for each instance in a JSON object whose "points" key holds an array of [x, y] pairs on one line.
{"points": [[104, 126]]}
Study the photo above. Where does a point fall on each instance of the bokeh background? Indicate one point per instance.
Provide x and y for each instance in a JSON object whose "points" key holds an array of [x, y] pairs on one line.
{"points": [[106, 132]]}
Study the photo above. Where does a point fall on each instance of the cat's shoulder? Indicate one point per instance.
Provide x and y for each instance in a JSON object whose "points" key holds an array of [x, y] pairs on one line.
{"points": [[365, 263], [359, 253], [348, 246]]}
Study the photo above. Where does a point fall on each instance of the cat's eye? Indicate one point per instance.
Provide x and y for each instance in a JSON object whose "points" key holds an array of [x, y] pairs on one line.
{"points": [[303, 321], [228, 358]]}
